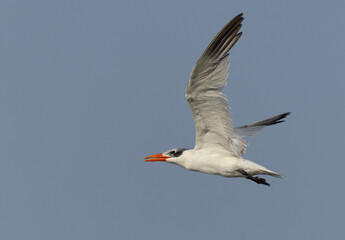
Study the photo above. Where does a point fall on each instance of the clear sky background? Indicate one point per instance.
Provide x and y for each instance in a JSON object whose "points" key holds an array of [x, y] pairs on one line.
{"points": [[89, 88]]}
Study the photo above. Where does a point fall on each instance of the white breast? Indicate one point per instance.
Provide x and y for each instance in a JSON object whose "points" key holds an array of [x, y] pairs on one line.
{"points": [[210, 160]]}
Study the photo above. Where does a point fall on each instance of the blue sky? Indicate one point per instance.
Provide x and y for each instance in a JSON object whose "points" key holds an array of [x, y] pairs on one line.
{"points": [[89, 88]]}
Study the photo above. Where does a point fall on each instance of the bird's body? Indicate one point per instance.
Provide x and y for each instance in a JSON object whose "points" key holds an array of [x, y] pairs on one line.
{"points": [[219, 147], [218, 162]]}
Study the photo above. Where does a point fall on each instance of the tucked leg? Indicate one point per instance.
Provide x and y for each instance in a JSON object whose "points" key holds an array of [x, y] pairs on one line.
{"points": [[255, 179]]}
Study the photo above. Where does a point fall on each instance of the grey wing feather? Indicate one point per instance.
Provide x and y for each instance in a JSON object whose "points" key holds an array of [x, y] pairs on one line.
{"points": [[254, 128], [208, 104], [239, 144]]}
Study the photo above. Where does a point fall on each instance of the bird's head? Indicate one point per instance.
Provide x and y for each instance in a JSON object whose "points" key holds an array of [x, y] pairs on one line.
{"points": [[173, 153]]}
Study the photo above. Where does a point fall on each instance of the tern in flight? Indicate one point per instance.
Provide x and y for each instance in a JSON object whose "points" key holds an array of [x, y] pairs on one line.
{"points": [[218, 147]]}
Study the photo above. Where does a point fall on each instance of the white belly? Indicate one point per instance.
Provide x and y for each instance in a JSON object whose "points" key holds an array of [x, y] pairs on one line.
{"points": [[215, 163], [218, 162]]}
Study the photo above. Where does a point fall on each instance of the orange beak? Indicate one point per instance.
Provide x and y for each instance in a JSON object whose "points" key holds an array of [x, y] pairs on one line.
{"points": [[156, 157]]}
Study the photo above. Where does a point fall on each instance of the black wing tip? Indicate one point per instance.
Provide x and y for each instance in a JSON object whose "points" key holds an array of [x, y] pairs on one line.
{"points": [[284, 115], [269, 121], [240, 15], [279, 118], [237, 20], [276, 122], [219, 46]]}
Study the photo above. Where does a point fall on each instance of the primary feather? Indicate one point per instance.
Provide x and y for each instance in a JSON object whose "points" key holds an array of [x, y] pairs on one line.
{"points": [[208, 104]]}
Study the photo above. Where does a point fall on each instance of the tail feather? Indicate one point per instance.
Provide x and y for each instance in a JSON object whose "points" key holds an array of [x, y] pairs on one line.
{"points": [[271, 173], [264, 171]]}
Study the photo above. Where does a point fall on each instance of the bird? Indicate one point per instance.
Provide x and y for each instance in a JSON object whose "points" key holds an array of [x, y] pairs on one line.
{"points": [[219, 147]]}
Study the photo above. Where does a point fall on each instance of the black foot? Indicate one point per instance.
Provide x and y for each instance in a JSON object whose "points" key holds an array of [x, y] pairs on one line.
{"points": [[255, 179]]}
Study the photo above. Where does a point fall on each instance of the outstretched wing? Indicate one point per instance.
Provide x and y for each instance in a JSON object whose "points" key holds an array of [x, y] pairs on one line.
{"points": [[254, 128], [209, 105], [239, 144]]}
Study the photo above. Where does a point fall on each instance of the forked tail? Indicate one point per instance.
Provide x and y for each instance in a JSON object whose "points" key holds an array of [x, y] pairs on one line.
{"points": [[271, 173]]}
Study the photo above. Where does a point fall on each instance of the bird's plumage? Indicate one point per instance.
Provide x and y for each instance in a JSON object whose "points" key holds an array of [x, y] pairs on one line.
{"points": [[239, 144], [218, 146], [209, 106]]}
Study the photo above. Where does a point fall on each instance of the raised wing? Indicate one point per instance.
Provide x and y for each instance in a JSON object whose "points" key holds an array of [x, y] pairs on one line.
{"points": [[209, 105]]}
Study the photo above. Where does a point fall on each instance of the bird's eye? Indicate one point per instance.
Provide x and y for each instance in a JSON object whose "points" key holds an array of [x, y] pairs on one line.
{"points": [[172, 152]]}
